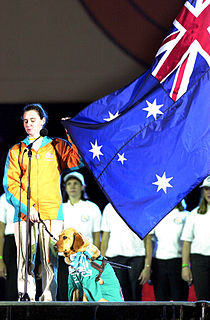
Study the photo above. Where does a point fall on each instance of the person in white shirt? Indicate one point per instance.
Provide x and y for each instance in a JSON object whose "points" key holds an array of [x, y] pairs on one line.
{"points": [[80, 214], [196, 247], [167, 257], [8, 250], [122, 246]]}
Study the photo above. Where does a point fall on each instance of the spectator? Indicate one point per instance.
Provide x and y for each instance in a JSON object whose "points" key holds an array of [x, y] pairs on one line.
{"points": [[8, 251], [49, 158], [196, 247], [121, 245], [81, 214], [167, 257]]}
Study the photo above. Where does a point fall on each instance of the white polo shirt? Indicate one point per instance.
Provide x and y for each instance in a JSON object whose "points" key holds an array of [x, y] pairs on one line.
{"points": [[167, 235], [84, 216], [7, 213], [196, 231], [122, 241]]}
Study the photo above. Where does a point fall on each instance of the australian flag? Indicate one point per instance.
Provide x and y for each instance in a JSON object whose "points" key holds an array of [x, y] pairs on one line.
{"points": [[148, 144]]}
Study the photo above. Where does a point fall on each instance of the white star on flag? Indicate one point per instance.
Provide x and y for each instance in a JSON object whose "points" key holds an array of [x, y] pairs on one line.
{"points": [[112, 116], [121, 158], [163, 182], [153, 109], [96, 150]]}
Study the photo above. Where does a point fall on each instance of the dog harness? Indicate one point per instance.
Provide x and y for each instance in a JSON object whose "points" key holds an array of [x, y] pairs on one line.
{"points": [[99, 267], [83, 261]]}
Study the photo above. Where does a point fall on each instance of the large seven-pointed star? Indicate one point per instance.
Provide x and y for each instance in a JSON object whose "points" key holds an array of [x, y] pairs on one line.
{"points": [[153, 109], [163, 182], [96, 150]]}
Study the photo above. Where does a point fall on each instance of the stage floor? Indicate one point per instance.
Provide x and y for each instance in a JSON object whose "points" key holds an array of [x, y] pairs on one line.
{"points": [[105, 310]]}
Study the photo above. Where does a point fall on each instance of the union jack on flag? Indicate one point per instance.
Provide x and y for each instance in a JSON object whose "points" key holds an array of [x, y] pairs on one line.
{"points": [[148, 144], [184, 49]]}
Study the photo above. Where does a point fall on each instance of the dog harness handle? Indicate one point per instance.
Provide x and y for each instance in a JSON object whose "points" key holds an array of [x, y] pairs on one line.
{"points": [[45, 227], [98, 267]]}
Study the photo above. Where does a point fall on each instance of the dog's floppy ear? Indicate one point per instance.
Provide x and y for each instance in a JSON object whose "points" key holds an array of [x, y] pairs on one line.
{"points": [[78, 242]]}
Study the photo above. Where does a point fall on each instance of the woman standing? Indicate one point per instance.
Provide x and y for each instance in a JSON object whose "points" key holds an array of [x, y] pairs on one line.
{"points": [[8, 250], [80, 214], [196, 247], [49, 158], [167, 257], [122, 246]]}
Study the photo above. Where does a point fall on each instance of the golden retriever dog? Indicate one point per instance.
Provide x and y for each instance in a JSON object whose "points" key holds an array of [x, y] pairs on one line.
{"points": [[91, 277]]}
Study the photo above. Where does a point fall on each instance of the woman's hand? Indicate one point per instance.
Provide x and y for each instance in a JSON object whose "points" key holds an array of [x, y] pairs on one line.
{"points": [[66, 118], [3, 269], [34, 216], [187, 275], [144, 275]]}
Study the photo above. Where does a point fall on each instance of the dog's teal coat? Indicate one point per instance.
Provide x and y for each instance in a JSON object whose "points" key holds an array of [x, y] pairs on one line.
{"points": [[86, 283]]}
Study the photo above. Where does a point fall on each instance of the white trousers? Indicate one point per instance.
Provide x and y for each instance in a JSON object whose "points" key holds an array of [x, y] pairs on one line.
{"points": [[48, 257]]}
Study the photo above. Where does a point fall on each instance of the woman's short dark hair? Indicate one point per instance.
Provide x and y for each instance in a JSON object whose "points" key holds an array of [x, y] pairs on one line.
{"points": [[37, 107]]}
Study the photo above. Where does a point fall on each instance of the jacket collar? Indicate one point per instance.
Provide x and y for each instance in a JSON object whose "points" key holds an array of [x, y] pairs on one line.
{"points": [[45, 141]]}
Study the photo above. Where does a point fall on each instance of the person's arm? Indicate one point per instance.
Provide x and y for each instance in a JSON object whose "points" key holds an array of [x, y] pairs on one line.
{"points": [[96, 224], [67, 153], [104, 242], [96, 239], [3, 269], [186, 272], [11, 181], [145, 273]]}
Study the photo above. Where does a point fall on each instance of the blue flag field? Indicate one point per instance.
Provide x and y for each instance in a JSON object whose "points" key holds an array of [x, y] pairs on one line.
{"points": [[148, 144]]}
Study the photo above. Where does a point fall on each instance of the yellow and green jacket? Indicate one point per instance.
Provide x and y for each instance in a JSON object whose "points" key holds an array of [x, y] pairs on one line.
{"points": [[47, 164]]}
